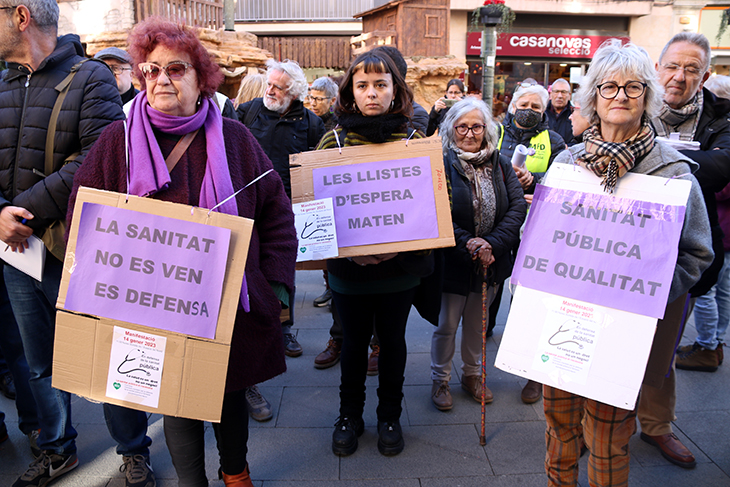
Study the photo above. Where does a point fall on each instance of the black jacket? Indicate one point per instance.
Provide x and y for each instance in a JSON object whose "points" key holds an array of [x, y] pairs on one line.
{"points": [[91, 104], [713, 134], [419, 119], [560, 122], [298, 130], [513, 136], [461, 274], [434, 120]]}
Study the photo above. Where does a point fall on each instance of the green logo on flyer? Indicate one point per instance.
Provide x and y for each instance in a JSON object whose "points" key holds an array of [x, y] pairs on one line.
{"points": [[545, 358], [117, 385]]}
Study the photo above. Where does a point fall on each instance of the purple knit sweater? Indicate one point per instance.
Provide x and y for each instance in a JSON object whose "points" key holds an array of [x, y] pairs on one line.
{"points": [[257, 351]]}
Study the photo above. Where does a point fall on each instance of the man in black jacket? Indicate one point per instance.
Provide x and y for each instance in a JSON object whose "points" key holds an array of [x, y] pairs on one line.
{"points": [[696, 115], [559, 109], [33, 198]]}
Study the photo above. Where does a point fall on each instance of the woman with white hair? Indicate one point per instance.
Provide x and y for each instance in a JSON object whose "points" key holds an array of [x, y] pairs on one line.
{"points": [[487, 210], [619, 95], [527, 124]]}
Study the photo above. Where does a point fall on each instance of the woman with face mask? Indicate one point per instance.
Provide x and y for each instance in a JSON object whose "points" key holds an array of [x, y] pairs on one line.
{"points": [[527, 124]]}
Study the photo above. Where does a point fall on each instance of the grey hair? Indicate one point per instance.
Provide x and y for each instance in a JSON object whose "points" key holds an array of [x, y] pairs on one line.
{"points": [[560, 80], [461, 108], [529, 90], [630, 61], [326, 85], [719, 85], [694, 38], [297, 79], [44, 12]]}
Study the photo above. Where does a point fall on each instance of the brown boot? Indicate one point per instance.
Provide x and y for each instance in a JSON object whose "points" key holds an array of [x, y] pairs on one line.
{"points": [[243, 479], [330, 356], [696, 357], [441, 395], [532, 392], [473, 385]]}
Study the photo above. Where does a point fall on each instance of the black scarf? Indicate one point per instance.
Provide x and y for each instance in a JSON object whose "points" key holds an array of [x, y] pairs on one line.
{"points": [[376, 129]]}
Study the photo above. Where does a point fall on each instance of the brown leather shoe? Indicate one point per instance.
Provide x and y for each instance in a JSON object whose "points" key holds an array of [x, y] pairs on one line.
{"points": [[441, 395], [696, 357], [329, 356], [473, 385], [373, 360], [672, 449], [532, 392]]}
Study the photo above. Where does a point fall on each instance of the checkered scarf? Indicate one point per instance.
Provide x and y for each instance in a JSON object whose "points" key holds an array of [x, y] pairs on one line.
{"points": [[611, 160], [683, 120]]}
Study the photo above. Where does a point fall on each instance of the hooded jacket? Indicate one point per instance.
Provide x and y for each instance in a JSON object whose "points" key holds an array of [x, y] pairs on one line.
{"points": [[26, 102]]}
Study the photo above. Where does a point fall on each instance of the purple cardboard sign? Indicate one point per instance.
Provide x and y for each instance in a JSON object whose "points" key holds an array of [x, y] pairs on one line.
{"points": [[148, 269], [380, 202], [600, 249]]}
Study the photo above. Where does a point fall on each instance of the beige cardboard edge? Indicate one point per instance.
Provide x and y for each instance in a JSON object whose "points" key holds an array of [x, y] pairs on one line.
{"points": [[184, 375], [302, 187]]}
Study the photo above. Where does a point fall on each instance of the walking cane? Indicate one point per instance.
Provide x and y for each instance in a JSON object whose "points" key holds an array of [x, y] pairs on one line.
{"points": [[482, 436]]}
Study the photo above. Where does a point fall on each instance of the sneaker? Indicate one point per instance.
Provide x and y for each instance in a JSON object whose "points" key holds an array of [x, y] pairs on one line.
{"points": [[441, 395], [390, 438], [137, 471], [45, 468], [329, 356], [3, 432], [33, 440], [321, 301], [697, 357], [7, 386], [258, 406], [291, 346], [373, 360], [344, 438]]}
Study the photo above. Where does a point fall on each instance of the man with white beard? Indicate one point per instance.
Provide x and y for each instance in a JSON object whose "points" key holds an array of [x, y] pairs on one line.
{"points": [[282, 126], [279, 120]]}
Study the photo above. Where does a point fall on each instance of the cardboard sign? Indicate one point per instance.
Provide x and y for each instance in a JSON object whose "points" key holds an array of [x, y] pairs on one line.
{"points": [[388, 197], [572, 325], [192, 381], [148, 269]]}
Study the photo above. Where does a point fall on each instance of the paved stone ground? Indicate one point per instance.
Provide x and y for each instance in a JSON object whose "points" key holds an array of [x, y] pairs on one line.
{"points": [[442, 448]]}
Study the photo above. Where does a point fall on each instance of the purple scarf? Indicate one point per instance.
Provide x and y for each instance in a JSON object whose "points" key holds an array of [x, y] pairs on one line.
{"points": [[148, 172]]}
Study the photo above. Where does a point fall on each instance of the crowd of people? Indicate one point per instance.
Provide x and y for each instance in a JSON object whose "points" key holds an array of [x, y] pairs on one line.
{"points": [[179, 140]]}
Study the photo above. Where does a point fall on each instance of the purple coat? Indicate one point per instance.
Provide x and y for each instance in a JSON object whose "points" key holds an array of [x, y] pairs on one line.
{"points": [[257, 350]]}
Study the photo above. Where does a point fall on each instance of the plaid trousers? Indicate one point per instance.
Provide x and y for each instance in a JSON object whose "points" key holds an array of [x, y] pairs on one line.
{"points": [[574, 421]]}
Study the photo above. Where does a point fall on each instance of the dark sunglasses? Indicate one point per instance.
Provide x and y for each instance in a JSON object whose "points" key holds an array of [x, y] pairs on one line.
{"points": [[175, 70]]}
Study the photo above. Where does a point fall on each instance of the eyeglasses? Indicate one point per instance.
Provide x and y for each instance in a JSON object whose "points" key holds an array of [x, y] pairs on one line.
{"points": [[632, 89], [475, 129], [561, 92], [8, 8], [455, 93], [317, 99], [175, 70], [691, 71], [117, 70]]}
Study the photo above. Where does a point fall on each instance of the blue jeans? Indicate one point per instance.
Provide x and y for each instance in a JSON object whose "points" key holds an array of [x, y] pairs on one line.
{"points": [[712, 311], [12, 348], [128, 427], [34, 304]]}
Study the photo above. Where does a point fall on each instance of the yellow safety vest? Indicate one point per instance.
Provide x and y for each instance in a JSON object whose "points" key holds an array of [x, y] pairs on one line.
{"points": [[541, 144]]}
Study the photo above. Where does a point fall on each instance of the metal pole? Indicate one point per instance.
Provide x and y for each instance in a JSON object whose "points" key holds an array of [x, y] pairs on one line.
{"points": [[229, 7], [489, 54]]}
